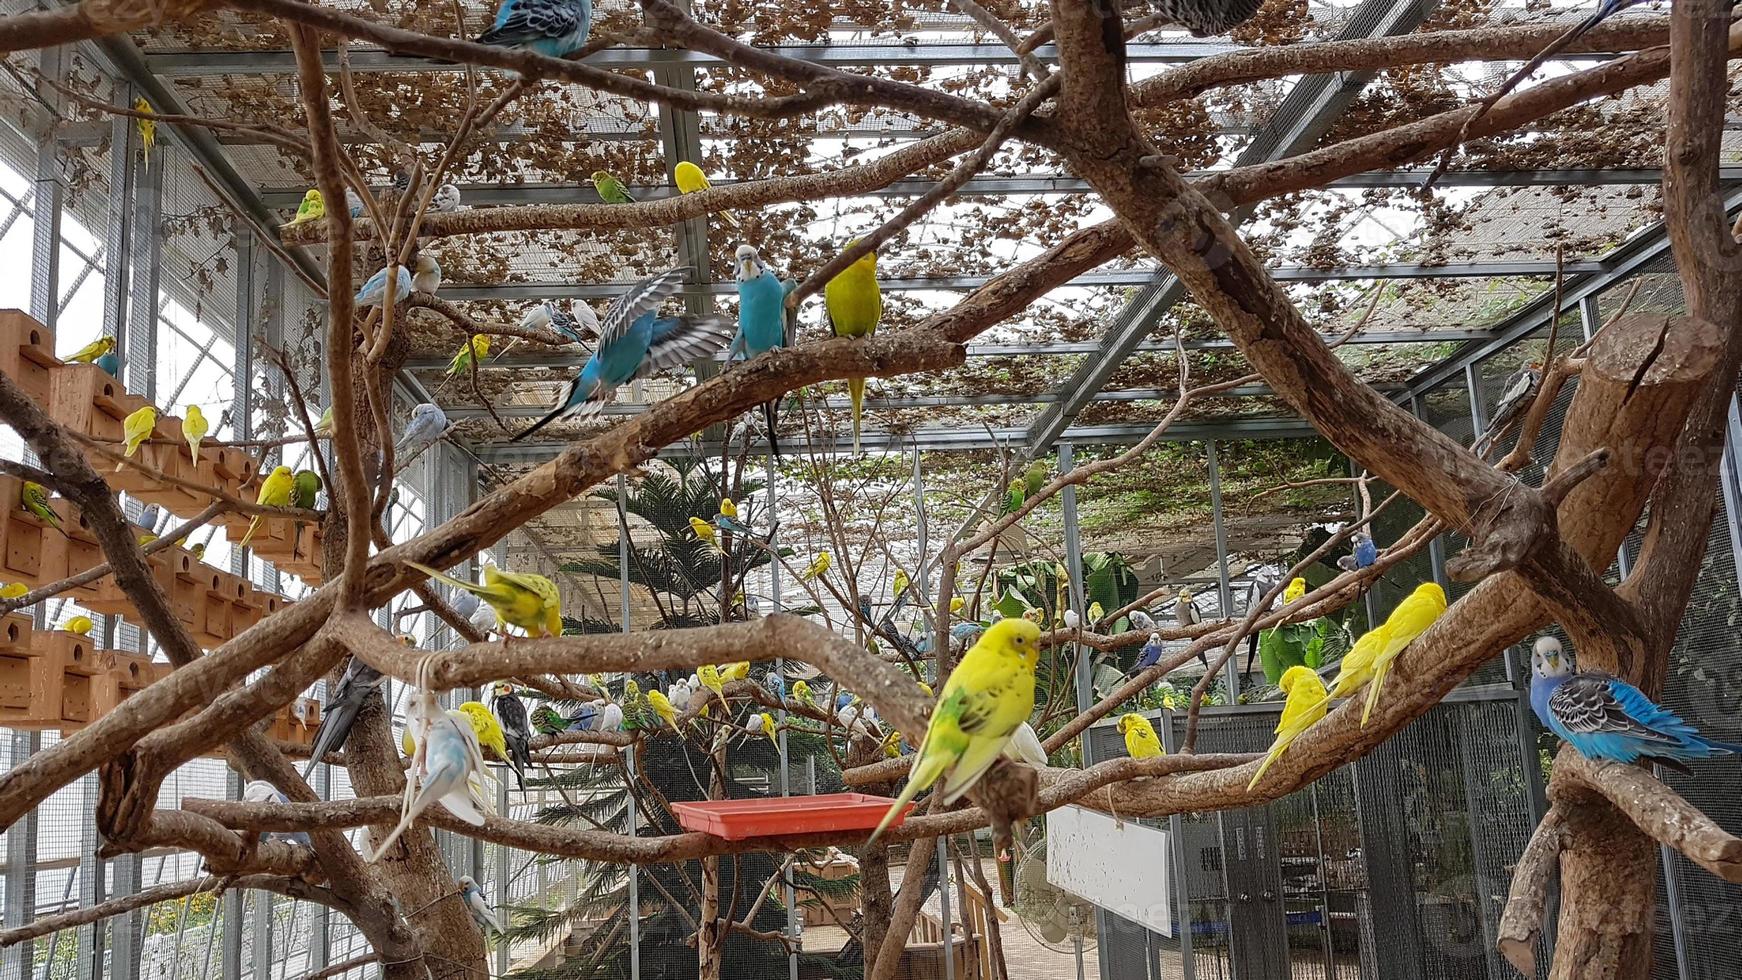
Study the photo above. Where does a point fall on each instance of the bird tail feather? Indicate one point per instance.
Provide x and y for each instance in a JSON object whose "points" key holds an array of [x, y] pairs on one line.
{"points": [[253, 525], [1373, 688], [586, 408], [856, 392], [916, 784], [445, 578], [1270, 757], [771, 415]]}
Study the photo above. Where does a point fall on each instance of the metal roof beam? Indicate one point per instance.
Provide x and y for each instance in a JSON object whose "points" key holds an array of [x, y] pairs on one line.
{"points": [[520, 194], [1136, 276], [1304, 115]]}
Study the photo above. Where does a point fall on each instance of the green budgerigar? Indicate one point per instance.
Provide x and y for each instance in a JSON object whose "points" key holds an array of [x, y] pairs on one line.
{"points": [[611, 190], [34, 499]]}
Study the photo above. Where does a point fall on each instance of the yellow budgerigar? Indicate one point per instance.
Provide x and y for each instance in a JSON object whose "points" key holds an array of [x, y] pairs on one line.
{"points": [[987, 696], [312, 208], [703, 531], [801, 692], [137, 428], [524, 599], [855, 304], [487, 728], [1306, 704], [93, 350], [33, 497], [900, 583], [662, 707], [957, 604], [765, 723], [195, 427], [275, 491], [689, 179], [737, 670], [475, 349], [818, 566], [709, 675], [82, 625], [147, 128], [1296, 588], [13, 590], [1409, 620], [1141, 742], [1357, 666]]}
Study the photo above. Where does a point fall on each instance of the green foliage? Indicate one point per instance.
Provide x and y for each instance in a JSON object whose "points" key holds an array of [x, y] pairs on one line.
{"points": [[1312, 644], [1107, 579]]}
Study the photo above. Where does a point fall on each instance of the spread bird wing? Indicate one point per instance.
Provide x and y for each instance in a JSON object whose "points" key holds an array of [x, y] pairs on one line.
{"points": [[645, 296], [679, 340]]}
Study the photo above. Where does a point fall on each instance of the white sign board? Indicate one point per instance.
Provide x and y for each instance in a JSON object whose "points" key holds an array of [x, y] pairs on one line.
{"points": [[1121, 866]]}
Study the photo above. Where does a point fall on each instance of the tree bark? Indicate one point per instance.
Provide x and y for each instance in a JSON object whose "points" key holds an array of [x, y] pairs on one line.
{"points": [[1608, 881]]}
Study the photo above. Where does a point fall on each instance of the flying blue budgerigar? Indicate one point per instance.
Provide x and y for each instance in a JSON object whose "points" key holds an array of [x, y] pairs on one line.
{"points": [[479, 906], [374, 291], [261, 791], [557, 28], [1151, 654], [425, 427], [1606, 718], [762, 321], [634, 342], [341, 710]]}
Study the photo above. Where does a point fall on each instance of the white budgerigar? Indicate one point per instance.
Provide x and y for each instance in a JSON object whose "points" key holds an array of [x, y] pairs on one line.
{"points": [[610, 718], [427, 424], [446, 199], [465, 604], [446, 762]]}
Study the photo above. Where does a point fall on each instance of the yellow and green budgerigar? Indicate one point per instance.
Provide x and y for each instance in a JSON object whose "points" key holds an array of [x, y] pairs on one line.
{"points": [[987, 696], [1356, 670], [1306, 704], [93, 350], [1296, 588], [689, 179], [13, 590], [312, 208], [855, 304], [524, 599], [818, 566], [147, 128], [194, 428], [137, 428], [662, 707], [81, 625], [487, 728], [1141, 742], [765, 724], [275, 491], [611, 190], [801, 692], [476, 348], [710, 677], [33, 497], [1409, 620]]}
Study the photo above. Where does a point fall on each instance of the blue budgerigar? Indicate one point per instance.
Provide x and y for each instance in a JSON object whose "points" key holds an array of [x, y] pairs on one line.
{"points": [[634, 342], [261, 791], [1362, 555], [1151, 654], [427, 425], [776, 684], [762, 320], [557, 28], [1607, 718], [374, 291]]}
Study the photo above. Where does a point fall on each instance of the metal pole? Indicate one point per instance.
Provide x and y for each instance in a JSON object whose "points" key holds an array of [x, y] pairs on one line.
{"points": [[1225, 595], [146, 260], [785, 784], [1074, 573], [944, 907], [118, 236], [1590, 320], [503, 873], [628, 753], [1181, 883], [16, 961], [89, 964], [232, 905], [50, 189]]}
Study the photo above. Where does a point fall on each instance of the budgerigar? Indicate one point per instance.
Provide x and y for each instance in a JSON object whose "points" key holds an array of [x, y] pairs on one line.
{"points": [[137, 427], [703, 531], [776, 684], [13, 590], [487, 730], [1409, 620], [765, 725], [81, 625], [737, 670], [1151, 654], [1606, 718], [762, 320], [33, 498], [1306, 704], [445, 763], [727, 519], [548, 721], [374, 290], [479, 906], [1204, 18], [1141, 620], [147, 128], [340, 713], [516, 728], [275, 491], [428, 423], [110, 363], [524, 599], [662, 707], [198, 550], [990, 692], [1364, 554], [1025, 746], [557, 28], [1356, 670], [1141, 742], [711, 679], [446, 199], [636, 342], [1297, 587], [801, 692], [312, 208], [90, 352], [473, 351], [689, 179], [854, 305], [575, 326], [1071, 620], [261, 791], [149, 515], [1015, 495], [483, 619], [305, 489], [818, 566], [1520, 391], [611, 190], [194, 427], [354, 203]]}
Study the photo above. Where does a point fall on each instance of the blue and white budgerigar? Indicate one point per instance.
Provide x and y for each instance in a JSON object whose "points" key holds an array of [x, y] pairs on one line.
{"points": [[1151, 655], [261, 791], [762, 320], [1362, 555], [575, 326], [424, 275], [776, 684], [1606, 718], [479, 906], [635, 342], [557, 28], [426, 426], [446, 761]]}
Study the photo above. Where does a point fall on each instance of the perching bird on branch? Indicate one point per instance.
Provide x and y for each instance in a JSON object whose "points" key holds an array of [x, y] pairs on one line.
{"points": [[854, 305], [1141, 742], [990, 692], [312, 208], [446, 199], [635, 342], [727, 520], [1206, 18], [557, 28], [137, 427], [524, 599], [1409, 620], [445, 763], [762, 320], [428, 423], [516, 729], [194, 428], [689, 179], [472, 352], [1306, 704], [818, 567], [261, 791], [1356, 670], [341, 712], [1297, 587], [1606, 718], [574, 326], [1363, 555], [1520, 391], [1151, 655], [479, 906], [275, 491], [147, 128], [611, 190], [33, 498]]}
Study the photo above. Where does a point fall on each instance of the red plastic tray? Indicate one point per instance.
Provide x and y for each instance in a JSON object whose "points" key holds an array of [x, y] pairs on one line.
{"points": [[779, 816]]}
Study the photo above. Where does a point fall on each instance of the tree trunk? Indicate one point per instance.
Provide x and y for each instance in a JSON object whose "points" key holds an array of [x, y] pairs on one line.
{"points": [[875, 901], [711, 931], [1608, 893]]}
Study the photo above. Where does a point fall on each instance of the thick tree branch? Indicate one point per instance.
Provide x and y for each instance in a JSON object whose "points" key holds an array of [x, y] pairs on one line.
{"points": [[1527, 900]]}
